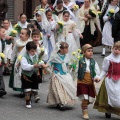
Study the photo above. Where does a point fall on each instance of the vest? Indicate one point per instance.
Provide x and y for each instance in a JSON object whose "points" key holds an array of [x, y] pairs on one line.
{"points": [[82, 68], [3, 45], [114, 71], [35, 70]]}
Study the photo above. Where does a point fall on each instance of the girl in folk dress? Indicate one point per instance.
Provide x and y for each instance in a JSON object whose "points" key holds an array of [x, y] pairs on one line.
{"points": [[22, 21], [15, 80], [8, 28], [49, 42], [70, 33], [108, 99], [107, 39], [62, 90]]}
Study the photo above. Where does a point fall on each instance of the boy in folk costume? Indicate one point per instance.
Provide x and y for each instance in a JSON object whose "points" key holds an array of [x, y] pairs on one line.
{"points": [[2, 60], [30, 68], [88, 72]]}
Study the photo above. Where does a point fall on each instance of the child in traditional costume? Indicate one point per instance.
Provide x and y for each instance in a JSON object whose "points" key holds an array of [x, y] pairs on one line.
{"points": [[3, 60], [62, 90], [30, 68], [88, 71], [108, 99], [22, 21], [15, 80], [69, 34], [9, 43]]}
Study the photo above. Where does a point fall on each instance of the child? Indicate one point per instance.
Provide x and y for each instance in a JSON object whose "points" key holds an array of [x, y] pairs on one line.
{"points": [[70, 33], [22, 21], [15, 81], [29, 72], [49, 42], [36, 39], [108, 99], [2, 60], [88, 72], [62, 90], [9, 39]]}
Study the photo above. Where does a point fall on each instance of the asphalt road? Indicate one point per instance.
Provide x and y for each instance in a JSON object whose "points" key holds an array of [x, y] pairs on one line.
{"points": [[12, 107]]}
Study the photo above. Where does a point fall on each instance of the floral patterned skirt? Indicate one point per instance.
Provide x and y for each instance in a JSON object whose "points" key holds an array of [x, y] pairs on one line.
{"points": [[57, 93]]}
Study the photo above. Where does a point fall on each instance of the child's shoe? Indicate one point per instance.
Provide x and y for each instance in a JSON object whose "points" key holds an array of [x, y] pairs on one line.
{"points": [[85, 114], [28, 105]]}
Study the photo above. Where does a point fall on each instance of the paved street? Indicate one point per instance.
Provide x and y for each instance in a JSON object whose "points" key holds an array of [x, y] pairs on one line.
{"points": [[12, 107]]}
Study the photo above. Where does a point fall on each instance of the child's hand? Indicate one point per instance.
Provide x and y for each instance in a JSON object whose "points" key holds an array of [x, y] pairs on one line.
{"points": [[44, 65], [36, 65], [81, 36], [97, 80]]}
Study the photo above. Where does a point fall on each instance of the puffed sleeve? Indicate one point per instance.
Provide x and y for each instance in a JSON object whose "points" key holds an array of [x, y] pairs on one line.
{"points": [[105, 67], [97, 70]]}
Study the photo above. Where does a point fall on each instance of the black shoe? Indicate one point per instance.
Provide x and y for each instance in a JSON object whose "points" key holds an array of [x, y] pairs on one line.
{"points": [[103, 55], [108, 115], [22, 94], [61, 107], [2, 92]]}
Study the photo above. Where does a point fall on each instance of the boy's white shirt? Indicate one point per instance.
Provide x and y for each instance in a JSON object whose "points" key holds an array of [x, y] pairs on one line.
{"points": [[4, 52], [97, 69]]}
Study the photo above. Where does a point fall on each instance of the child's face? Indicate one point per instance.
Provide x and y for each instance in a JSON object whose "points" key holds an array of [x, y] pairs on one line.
{"points": [[116, 51], [88, 53], [64, 50], [39, 18], [66, 17], [32, 52], [23, 35], [6, 24], [49, 15], [36, 38], [2, 33], [23, 19]]}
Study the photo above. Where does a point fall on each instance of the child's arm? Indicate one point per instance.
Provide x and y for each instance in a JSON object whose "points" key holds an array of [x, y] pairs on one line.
{"points": [[27, 67], [105, 67]]}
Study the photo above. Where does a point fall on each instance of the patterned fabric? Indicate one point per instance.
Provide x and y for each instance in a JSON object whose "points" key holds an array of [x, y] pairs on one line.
{"points": [[57, 94]]}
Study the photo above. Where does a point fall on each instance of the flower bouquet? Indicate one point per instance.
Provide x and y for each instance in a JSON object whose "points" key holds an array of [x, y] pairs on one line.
{"points": [[13, 33], [75, 8], [111, 13], [61, 24], [92, 13], [17, 28], [40, 56], [76, 56], [3, 58]]}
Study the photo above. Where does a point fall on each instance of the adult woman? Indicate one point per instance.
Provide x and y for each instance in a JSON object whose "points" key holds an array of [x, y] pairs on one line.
{"points": [[88, 25], [43, 4], [107, 39]]}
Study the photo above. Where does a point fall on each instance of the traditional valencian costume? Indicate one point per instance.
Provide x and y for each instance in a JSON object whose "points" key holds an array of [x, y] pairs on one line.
{"points": [[15, 78], [62, 89], [108, 99]]}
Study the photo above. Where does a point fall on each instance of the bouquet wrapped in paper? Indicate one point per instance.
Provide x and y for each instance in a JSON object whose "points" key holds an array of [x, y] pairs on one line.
{"points": [[13, 33], [75, 8], [17, 28], [92, 13], [2, 56], [111, 13], [60, 29]]}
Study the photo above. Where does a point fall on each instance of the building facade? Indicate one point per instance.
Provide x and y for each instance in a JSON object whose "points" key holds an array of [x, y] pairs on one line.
{"points": [[16, 7]]}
